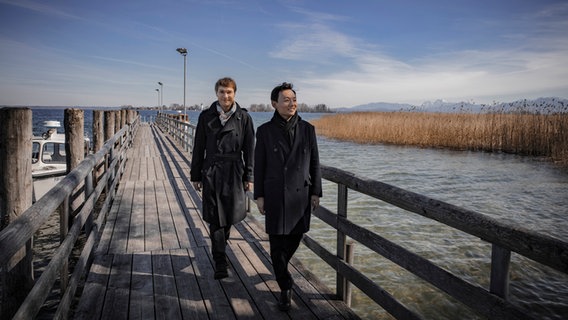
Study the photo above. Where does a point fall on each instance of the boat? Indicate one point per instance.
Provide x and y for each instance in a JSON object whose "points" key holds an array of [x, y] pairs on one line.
{"points": [[49, 160]]}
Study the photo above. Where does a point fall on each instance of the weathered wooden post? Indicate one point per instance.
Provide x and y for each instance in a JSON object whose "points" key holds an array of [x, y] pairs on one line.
{"points": [[123, 119], [116, 121], [16, 277], [98, 139], [109, 125], [109, 133], [500, 261], [341, 282], [73, 122]]}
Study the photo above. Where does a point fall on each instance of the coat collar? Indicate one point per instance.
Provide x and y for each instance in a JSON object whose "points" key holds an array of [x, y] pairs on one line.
{"points": [[214, 123]]}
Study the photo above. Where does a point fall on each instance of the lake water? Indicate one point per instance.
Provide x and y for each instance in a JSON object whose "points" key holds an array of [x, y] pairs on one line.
{"points": [[523, 191]]}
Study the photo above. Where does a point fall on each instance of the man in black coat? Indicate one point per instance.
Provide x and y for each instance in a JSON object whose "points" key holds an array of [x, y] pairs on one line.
{"points": [[222, 164], [288, 182]]}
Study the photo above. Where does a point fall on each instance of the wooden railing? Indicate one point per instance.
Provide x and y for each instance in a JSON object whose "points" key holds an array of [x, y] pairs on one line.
{"points": [[96, 173], [493, 303], [182, 131]]}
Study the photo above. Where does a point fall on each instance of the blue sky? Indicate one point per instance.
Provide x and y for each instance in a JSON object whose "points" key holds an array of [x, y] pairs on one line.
{"points": [[340, 53]]}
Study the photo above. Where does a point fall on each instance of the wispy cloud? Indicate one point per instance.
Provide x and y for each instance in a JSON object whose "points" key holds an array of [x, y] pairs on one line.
{"points": [[534, 62], [42, 8]]}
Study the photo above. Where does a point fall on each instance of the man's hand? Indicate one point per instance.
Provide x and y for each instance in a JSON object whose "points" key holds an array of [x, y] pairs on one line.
{"points": [[315, 202], [260, 205], [248, 185], [196, 185]]}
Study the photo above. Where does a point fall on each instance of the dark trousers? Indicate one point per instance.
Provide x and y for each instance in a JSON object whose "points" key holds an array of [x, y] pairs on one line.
{"points": [[282, 248], [219, 236]]}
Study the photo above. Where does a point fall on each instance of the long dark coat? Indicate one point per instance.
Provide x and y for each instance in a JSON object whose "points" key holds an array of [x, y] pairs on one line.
{"points": [[222, 159], [286, 176]]}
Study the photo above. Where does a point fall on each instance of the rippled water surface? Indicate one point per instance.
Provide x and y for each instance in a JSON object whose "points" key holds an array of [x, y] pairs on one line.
{"points": [[522, 191]]}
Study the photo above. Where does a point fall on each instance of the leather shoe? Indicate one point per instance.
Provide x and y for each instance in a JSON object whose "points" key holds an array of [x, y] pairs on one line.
{"points": [[285, 301], [221, 273]]}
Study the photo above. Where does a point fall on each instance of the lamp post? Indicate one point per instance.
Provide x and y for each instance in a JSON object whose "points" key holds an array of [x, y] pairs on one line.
{"points": [[161, 95], [158, 90], [183, 52]]}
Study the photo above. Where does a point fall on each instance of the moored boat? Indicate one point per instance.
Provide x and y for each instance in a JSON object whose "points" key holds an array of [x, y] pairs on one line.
{"points": [[49, 159]]}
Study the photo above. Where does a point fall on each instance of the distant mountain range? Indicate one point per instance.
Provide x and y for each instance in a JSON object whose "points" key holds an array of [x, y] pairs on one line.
{"points": [[544, 105]]}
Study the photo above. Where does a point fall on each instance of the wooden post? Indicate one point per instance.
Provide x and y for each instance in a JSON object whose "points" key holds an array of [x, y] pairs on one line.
{"points": [[73, 122], [123, 119], [74, 137], [500, 260], [347, 291], [16, 188], [98, 130], [117, 121], [109, 133], [98, 140], [109, 125], [341, 239]]}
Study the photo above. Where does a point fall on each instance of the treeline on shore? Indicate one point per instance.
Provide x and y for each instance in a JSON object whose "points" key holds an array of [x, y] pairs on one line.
{"points": [[534, 134], [255, 107]]}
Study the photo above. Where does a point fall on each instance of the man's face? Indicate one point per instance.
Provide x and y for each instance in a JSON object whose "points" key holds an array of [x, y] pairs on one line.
{"points": [[286, 104], [226, 97]]}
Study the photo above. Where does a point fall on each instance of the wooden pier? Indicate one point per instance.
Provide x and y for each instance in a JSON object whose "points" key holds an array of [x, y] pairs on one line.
{"points": [[154, 262], [145, 249]]}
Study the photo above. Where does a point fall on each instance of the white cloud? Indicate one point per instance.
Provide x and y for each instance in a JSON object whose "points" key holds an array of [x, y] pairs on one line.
{"points": [[534, 67]]}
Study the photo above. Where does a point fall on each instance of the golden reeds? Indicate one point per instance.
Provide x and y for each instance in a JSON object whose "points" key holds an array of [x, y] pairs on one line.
{"points": [[519, 133]]}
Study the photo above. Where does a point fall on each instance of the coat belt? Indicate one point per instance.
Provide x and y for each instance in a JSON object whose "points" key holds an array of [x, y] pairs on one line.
{"points": [[222, 157]]}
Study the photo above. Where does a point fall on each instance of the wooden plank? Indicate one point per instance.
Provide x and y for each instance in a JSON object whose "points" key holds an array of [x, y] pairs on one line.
{"points": [[187, 234], [191, 304], [150, 165], [94, 291], [136, 230], [213, 295], [152, 236], [237, 294], [254, 271], [118, 290], [159, 168], [142, 287], [119, 238], [165, 291], [167, 225], [106, 235]]}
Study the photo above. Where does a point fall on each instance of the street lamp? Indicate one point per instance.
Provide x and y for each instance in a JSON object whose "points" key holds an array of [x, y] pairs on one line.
{"points": [[158, 90], [161, 95], [183, 52]]}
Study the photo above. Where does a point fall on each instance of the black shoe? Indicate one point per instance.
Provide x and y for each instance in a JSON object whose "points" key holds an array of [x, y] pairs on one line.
{"points": [[221, 273], [285, 301]]}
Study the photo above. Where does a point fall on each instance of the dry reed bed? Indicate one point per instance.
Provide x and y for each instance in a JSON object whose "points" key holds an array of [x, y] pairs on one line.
{"points": [[526, 134]]}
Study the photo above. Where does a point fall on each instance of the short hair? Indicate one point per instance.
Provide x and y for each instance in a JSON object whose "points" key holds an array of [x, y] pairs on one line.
{"points": [[279, 88], [225, 82]]}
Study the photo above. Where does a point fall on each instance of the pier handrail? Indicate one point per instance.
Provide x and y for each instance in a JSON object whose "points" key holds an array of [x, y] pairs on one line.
{"points": [[504, 238], [493, 303], [21, 230], [182, 131]]}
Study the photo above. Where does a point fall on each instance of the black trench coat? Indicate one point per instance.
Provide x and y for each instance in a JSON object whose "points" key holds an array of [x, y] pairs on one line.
{"points": [[222, 159], [286, 176]]}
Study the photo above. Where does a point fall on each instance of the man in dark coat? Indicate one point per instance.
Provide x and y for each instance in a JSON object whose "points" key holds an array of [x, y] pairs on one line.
{"points": [[288, 182], [222, 163]]}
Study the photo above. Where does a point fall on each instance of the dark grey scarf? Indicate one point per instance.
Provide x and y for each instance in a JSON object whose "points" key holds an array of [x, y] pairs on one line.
{"points": [[289, 127]]}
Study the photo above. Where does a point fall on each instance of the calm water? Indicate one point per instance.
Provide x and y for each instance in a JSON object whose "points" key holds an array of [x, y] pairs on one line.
{"points": [[522, 191]]}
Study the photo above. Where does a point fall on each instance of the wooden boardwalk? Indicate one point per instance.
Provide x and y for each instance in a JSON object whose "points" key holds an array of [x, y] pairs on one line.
{"points": [[154, 261]]}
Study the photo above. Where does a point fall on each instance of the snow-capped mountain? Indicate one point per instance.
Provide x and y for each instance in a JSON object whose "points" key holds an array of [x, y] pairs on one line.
{"points": [[541, 105]]}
